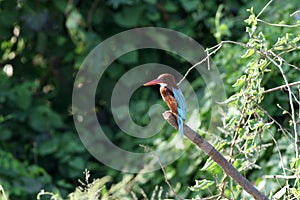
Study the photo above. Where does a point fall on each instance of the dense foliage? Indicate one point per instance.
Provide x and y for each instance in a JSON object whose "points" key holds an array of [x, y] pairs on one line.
{"points": [[42, 45]]}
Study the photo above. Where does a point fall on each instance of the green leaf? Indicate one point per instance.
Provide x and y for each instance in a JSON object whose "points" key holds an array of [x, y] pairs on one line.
{"points": [[22, 95], [8, 17], [129, 16], [153, 16], [280, 41], [5, 134], [248, 53], [129, 58], [240, 81], [61, 5], [98, 17], [189, 5], [209, 165], [48, 147], [77, 163], [42, 118], [116, 71], [202, 185], [170, 6]]}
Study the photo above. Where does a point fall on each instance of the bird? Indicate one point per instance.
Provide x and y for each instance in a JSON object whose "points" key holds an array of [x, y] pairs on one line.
{"points": [[173, 97]]}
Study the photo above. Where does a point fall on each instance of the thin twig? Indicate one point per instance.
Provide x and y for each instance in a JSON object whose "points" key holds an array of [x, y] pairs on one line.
{"points": [[281, 87], [276, 122], [279, 25], [233, 143], [264, 8], [290, 95], [209, 198], [288, 51], [138, 175], [216, 48], [273, 138], [208, 61], [271, 24], [91, 13], [162, 168], [282, 176], [295, 13]]}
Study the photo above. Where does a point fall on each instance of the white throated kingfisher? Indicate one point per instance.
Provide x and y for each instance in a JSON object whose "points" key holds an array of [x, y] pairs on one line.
{"points": [[173, 97]]}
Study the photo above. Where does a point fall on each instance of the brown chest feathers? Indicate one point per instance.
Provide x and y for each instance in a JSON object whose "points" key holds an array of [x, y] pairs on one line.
{"points": [[170, 100]]}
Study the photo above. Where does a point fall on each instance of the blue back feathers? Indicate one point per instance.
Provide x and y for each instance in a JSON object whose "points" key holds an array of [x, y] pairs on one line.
{"points": [[181, 106]]}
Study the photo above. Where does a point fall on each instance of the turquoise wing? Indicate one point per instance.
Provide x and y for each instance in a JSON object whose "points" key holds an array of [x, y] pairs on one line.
{"points": [[181, 107]]}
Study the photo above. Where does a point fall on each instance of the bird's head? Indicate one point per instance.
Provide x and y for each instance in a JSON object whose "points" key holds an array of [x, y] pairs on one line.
{"points": [[164, 80]]}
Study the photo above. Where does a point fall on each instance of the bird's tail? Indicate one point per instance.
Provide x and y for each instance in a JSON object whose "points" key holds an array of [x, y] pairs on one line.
{"points": [[180, 126]]}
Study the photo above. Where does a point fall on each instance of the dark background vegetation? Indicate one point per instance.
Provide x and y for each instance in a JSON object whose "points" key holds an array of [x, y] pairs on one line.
{"points": [[45, 42]]}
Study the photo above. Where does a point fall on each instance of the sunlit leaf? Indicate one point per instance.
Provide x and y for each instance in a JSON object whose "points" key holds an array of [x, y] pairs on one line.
{"points": [[202, 185], [248, 53]]}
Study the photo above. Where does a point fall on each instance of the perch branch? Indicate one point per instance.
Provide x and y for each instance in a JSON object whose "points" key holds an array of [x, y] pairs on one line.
{"points": [[216, 156]]}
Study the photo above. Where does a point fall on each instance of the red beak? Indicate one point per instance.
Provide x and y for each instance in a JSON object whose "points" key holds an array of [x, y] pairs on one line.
{"points": [[153, 82]]}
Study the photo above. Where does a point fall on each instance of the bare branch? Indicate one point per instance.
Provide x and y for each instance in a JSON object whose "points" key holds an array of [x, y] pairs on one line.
{"points": [[282, 87], [216, 156]]}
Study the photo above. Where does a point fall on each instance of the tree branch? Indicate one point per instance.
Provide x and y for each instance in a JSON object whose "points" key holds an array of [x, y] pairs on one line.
{"points": [[216, 156], [281, 87]]}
